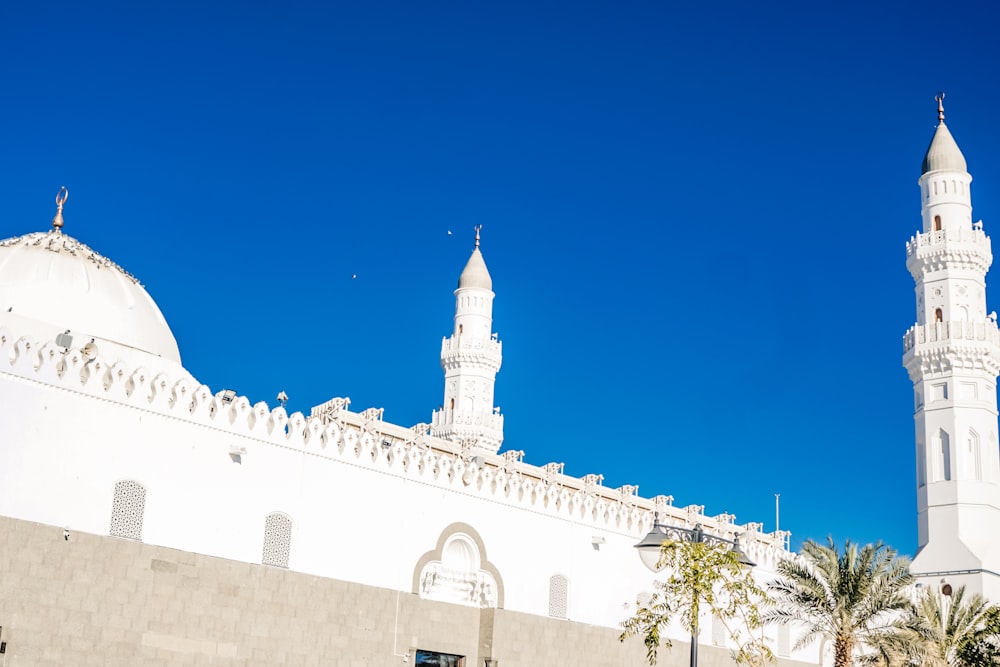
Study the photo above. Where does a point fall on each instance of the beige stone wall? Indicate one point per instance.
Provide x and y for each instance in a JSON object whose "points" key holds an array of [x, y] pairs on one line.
{"points": [[95, 600]]}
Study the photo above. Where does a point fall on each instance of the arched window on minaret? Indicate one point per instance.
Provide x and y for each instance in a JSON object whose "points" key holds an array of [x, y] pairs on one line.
{"points": [[459, 329], [451, 404], [938, 315], [975, 464], [943, 464], [921, 465], [937, 223]]}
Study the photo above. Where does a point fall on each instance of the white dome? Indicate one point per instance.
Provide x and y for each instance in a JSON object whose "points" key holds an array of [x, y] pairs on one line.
{"points": [[55, 280]]}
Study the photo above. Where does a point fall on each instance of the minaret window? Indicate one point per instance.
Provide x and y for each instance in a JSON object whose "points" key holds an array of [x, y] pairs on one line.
{"points": [[451, 404], [938, 315], [937, 223], [943, 464], [974, 462], [459, 329]]}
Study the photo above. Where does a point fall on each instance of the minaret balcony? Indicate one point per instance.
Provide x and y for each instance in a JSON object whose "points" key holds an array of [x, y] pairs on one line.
{"points": [[489, 421], [949, 249], [940, 346], [462, 350]]}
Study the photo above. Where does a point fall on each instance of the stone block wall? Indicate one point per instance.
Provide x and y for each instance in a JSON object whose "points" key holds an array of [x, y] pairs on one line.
{"points": [[96, 600]]}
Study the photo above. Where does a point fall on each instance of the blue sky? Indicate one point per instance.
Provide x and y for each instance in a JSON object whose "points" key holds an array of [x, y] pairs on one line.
{"points": [[694, 215]]}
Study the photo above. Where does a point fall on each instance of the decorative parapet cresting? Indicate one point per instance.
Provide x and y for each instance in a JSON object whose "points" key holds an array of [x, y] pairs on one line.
{"points": [[462, 348], [954, 248], [333, 432], [956, 330]]}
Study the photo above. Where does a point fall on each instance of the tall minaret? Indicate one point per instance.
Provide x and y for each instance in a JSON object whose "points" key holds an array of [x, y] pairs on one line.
{"points": [[953, 357], [471, 358]]}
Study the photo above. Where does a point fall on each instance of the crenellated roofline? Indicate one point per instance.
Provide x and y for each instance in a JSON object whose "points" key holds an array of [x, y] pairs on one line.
{"points": [[363, 439]]}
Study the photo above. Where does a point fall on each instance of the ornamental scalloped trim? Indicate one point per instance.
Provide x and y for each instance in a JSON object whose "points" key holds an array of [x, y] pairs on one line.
{"points": [[504, 478]]}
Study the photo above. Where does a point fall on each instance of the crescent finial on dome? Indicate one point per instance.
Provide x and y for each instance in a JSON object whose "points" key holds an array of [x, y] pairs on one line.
{"points": [[61, 197], [939, 98]]}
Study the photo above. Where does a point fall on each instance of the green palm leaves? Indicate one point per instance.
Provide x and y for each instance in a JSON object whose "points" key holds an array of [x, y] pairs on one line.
{"points": [[856, 598]]}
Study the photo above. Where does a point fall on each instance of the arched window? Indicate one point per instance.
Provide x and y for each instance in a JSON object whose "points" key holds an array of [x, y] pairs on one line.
{"points": [[937, 223], [558, 596], [938, 315], [459, 329], [277, 539], [451, 404], [127, 509], [974, 458], [943, 467], [921, 464]]}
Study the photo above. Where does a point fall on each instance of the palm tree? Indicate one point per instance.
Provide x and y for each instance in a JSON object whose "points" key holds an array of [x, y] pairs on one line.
{"points": [[962, 632], [856, 599]]}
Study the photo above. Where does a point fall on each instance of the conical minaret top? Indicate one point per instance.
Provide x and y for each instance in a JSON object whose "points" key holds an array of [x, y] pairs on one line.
{"points": [[943, 154], [471, 357], [475, 273]]}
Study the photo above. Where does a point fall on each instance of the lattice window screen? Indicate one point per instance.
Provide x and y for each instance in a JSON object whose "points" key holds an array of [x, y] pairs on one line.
{"points": [[277, 539], [784, 640], [558, 595], [718, 632], [127, 509]]}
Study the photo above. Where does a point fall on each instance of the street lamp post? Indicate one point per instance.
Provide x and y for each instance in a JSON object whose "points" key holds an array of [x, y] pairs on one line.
{"points": [[649, 551]]}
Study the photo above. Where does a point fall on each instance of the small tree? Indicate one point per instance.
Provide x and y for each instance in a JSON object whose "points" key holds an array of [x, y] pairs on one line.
{"points": [[703, 575]]}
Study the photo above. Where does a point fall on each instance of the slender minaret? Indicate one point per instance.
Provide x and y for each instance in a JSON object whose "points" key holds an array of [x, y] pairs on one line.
{"points": [[953, 357], [471, 358]]}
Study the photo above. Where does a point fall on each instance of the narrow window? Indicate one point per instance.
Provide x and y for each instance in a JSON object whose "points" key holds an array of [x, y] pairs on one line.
{"points": [[277, 539], [921, 465], [459, 329], [784, 641], [451, 404], [558, 596], [944, 457], [937, 223], [718, 631], [938, 315], [975, 459], [127, 509]]}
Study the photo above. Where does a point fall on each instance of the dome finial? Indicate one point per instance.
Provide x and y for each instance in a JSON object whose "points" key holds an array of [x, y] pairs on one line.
{"points": [[478, 227], [940, 100], [61, 197]]}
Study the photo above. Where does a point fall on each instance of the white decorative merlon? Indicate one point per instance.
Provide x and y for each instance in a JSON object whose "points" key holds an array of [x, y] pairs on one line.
{"points": [[504, 478]]}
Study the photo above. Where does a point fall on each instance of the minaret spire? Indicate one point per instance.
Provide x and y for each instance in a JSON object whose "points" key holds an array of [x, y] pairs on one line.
{"points": [[940, 100], [478, 229]]}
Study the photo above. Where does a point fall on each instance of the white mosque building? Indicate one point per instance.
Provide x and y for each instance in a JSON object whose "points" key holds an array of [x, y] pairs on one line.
{"points": [[147, 519]]}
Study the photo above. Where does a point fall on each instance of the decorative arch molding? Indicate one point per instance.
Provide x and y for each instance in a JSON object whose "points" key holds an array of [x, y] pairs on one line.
{"points": [[459, 544]]}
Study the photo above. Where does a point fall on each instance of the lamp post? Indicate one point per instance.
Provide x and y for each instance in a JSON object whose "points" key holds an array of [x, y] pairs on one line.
{"points": [[649, 552]]}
